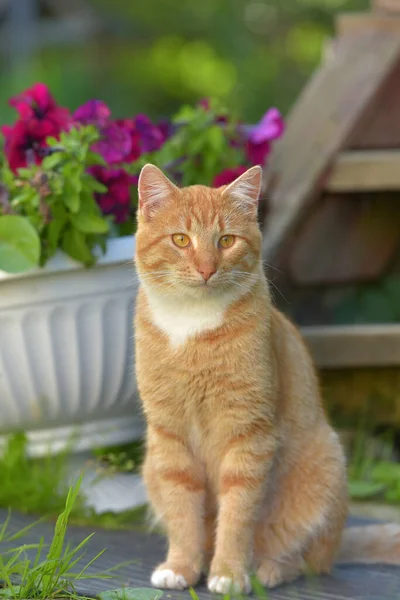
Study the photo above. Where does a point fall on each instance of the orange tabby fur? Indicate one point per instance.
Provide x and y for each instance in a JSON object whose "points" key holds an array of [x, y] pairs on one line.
{"points": [[241, 465]]}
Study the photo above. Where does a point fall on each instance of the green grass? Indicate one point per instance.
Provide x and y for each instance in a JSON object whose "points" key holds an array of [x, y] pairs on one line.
{"points": [[39, 486], [373, 477], [51, 573], [36, 486]]}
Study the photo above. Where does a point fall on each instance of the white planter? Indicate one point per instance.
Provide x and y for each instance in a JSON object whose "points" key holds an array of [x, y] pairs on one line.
{"points": [[66, 352]]}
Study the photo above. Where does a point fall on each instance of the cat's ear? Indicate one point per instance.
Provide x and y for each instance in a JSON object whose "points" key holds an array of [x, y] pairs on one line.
{"points": [[154, 189], [245, 190]]}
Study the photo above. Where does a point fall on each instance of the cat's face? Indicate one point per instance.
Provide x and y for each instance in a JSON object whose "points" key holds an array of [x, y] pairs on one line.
{"points": [[198, 241]]}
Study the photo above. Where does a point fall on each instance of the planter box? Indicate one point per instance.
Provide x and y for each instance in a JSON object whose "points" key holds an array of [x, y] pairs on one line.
{"points": [[66, 352]]}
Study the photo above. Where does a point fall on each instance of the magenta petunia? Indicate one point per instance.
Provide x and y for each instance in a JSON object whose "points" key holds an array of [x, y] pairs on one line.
{"points": [[257, 153], [93, 112], [128, 125], [40, 113], [270, 127], [228, 175], [151, 137], [20, 146], [166, 128], [115, 142], [117, 199], [260, 136]]}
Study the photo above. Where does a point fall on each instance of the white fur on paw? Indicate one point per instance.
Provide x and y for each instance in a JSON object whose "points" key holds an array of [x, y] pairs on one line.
{"points": [[166, 578], [226, 585]]}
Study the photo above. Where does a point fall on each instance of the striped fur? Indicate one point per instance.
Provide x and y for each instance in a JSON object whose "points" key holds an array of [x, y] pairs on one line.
{"points": [[241, 464]]}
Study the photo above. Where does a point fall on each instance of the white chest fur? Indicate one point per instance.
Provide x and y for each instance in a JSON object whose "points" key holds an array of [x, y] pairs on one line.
{"points": [[181, 320]]}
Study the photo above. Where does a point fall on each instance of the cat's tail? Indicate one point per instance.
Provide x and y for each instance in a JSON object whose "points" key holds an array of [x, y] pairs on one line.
{"points": [[371, 544]]}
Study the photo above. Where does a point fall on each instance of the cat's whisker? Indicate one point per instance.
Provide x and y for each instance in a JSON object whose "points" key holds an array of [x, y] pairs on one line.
{"points": [[267, 264], [278, 290]]}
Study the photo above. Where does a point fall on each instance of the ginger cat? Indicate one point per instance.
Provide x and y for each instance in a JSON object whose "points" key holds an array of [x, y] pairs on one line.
{"points": [[241, 464]]}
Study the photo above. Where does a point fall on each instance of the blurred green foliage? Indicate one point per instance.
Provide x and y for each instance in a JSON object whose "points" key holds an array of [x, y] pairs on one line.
{"points": [[153, 56]]}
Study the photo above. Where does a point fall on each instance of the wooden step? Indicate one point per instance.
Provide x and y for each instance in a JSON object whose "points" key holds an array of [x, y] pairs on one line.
{"points": [[365, 171], [354, 346]]}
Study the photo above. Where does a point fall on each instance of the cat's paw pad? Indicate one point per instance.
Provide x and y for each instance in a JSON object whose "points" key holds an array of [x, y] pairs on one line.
{"points": [[168, 579], [221, 584]]}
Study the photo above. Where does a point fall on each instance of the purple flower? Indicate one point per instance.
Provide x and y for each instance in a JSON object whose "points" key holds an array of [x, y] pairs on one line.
{"points": [[167, 128], [269, 128], [94, 112], [260, 136], [117, 199], [115, 144], [151, 138]]}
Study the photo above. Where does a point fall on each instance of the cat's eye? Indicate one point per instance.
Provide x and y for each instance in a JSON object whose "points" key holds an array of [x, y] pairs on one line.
{"points": [[181, 240], [226, 241]]}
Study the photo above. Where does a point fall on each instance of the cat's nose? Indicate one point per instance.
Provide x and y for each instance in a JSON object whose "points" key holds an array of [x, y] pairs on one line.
{"points": [[206, 271]]}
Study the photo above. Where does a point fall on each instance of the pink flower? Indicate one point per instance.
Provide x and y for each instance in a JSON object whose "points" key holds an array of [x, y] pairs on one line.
{"points": [[270, 128], [39, 118], [20, 146], [228, 175], [122, 140], [117, 199], [40, 113]]}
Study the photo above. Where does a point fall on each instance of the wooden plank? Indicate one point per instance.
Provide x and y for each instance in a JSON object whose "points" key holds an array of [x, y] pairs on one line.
{"points": [[360, 171], [318, 126], [380, 128], [355, 346], [346, 239], [351, 24]]}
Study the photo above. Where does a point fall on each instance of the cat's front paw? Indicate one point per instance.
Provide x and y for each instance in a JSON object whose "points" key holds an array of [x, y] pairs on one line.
{"points": [[174, 577], [229, 584]]}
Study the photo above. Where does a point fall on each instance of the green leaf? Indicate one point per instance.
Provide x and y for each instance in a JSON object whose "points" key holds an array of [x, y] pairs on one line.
{"points": [[25, 172], [52, 161], [92, 158], [27, 195], [71, 196], [89, 223], [19, 244], [129, 593], [74, 244], [71, 201], [360, 490], [216, 138], [52, 141], [95, 185], [56, 226]]}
